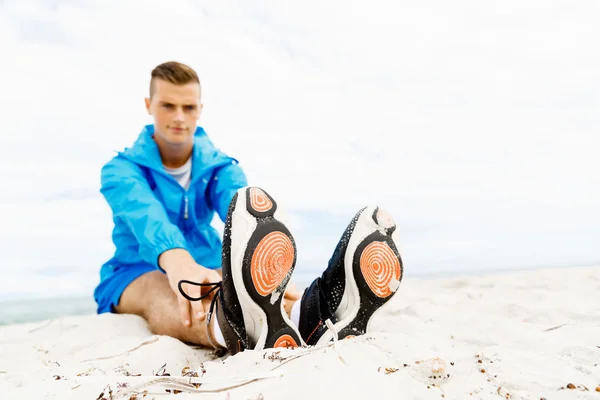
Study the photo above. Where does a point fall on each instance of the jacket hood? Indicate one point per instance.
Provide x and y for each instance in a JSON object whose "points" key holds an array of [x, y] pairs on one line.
{"points": [[144, 150]]}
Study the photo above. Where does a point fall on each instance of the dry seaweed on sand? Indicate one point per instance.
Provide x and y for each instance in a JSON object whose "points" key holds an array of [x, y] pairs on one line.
{"points": [[125, 353], [191, 385], [162, 371]]}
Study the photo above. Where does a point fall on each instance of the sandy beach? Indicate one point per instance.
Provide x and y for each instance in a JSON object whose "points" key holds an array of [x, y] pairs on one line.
{"points": [[518, 335]]}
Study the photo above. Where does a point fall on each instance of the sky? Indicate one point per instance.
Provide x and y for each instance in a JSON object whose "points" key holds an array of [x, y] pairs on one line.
{"points": [[475, 124]]}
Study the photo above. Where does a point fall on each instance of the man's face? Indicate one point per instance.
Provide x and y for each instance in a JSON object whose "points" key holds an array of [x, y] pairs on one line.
{"points": [[176, 109]]}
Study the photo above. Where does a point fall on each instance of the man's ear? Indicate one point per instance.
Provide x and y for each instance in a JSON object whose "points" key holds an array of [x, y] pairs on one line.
{"points": [[148, 101]]}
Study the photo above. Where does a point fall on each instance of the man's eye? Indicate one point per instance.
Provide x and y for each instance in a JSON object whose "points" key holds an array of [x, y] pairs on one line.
{"points": [[190, 108], [169, 106]]}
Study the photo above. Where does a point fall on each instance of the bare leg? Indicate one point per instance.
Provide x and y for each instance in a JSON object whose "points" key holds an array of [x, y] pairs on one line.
{"points": [[287, 306], [151, 297]]}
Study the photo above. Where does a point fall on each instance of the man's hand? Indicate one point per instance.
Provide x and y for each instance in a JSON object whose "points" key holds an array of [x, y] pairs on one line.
{"points": [[180, 265]]}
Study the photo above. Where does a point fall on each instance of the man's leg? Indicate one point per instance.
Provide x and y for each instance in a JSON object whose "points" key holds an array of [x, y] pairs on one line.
{"points": [[259, 257], [287, 306], [363, 274], [151, 297]]}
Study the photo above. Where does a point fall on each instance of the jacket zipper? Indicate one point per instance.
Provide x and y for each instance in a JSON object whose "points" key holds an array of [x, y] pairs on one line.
{"points": [[185, 211], [192, 181]]}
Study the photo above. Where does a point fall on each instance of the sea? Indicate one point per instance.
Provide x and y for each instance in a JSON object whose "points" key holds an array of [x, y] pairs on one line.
{"points": [[28, 310]]}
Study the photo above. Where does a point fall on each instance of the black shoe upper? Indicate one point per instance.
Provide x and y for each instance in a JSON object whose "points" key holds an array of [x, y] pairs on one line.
{"points": [[324, 295]]}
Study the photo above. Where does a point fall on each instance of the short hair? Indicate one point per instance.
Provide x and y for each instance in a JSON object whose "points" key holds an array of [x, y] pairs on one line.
{"points": [[173, 72]]}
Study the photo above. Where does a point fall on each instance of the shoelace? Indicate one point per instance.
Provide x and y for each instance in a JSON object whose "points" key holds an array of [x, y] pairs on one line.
{"points": [[216, 286]]}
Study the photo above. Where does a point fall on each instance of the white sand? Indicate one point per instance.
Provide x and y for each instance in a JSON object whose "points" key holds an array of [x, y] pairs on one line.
{"points": [[532, 333]]}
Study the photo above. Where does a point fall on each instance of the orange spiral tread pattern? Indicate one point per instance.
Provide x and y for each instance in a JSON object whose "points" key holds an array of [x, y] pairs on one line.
{"points": [[271, 262], [259, 200], [285, 341], [379, 266]]}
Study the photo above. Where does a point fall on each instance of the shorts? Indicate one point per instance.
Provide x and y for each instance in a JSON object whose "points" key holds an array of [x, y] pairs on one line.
{"points": [[113, 282]]}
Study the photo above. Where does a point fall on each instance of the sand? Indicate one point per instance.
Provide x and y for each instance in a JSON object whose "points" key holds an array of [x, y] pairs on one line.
{"points": [[519, 335]]}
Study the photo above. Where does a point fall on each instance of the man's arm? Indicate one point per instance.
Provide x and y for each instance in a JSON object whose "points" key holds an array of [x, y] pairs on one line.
{"points": [[132, 202], [161, 243], [224, 184]]}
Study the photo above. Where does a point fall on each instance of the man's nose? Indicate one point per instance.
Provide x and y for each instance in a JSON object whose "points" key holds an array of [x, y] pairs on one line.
{"points": [[179, 115]]}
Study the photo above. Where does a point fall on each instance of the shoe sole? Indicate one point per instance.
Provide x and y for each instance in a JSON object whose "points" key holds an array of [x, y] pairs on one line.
{"points": [[373, 272], [263, 258]]}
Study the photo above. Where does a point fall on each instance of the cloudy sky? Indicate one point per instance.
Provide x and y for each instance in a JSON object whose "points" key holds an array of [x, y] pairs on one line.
{"points": [[476, 124]]}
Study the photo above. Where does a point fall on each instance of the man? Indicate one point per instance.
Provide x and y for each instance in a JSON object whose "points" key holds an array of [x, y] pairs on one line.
{"points": [[171, 268]]}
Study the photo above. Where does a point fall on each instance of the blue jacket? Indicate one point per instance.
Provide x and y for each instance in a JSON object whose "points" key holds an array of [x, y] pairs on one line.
{"points": [[152, 213]]}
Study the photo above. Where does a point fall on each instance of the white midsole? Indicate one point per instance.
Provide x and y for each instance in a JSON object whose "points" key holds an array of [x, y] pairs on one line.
{"points": [[243, 225], [350, 303]]}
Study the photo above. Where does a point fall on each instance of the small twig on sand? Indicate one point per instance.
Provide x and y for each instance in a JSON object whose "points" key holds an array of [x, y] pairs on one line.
{"points": [[313, 350], [191, 385], [162, 371], [42, 326], [101, 395], [387, 352], [555, 327], [304, 353], [124, 353]]}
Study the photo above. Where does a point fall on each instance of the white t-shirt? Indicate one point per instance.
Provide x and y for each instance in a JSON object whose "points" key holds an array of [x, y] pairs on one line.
{"points": [[182, 174]]}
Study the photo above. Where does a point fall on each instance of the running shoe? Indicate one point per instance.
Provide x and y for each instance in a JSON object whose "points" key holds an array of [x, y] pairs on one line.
{"points": [[363, 274], [259, 257]]}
